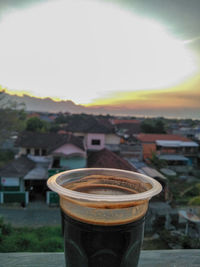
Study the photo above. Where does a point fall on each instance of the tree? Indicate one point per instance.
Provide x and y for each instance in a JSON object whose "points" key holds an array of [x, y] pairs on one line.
{"points": [[36, 125], [61, 118], [156, 162], [153, 126], [12, 117], [159, 126]]}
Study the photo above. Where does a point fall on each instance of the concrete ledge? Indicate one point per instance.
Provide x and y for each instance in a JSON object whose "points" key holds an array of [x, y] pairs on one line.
{"points": [[153, 258]]}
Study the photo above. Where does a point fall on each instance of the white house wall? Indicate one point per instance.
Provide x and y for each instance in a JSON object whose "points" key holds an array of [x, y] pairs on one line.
{"points": [[69, 149], [112, 139]]}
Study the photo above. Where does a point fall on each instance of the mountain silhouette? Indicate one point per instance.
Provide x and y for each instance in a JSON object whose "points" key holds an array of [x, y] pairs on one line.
{"points": [[46, 104]]}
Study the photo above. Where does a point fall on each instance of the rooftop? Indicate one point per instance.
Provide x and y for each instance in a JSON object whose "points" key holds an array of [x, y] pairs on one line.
{"points": [[153, 137], [37, 173], [152, 172], [17, 167], [89, 125], [173, 157], [145, 169], [49, 141], [129, 128], [108, 159], [156, 258], [174, 143]]}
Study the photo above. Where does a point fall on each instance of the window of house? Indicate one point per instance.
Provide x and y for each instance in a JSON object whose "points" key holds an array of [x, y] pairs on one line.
{"points": [[188, 149], [28, 151], [56, 163], [37, 152], [44, 152], [96, 142]]}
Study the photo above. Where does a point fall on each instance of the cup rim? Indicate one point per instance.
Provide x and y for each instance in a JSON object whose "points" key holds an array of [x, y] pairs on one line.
{"points": [[53, 184]]}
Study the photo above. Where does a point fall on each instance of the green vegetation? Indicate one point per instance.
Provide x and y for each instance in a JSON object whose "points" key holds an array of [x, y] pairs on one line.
{"points": [[153, 126], [156, 162], [149, 244], [195, 201], [175, 238], [26, 239], [184, 193], [12, 117], [5, 156], [37, 125]]}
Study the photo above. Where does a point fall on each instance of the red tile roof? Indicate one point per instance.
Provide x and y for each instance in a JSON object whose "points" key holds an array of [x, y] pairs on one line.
{"points": [[107, 159], [125, 121], [153, 137], [33, 115]]}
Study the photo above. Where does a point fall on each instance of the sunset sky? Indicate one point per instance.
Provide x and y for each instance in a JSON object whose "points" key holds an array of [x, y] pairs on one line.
{"points": [[139, 55]]}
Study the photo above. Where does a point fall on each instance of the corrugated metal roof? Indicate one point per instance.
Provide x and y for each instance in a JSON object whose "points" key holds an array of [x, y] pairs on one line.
{"points": [[37, 173], [151, 172], [172, 143], [190, 144], [173, 157], [168, 172], [136, 164]]}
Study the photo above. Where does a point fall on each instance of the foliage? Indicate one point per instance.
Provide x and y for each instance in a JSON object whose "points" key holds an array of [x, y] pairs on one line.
{"points": [[12, 117], [182, 191], [73, 118], [153, 126], [54, 127], [42, 239], [109, 116], [159, 223], [5, 229], [157, 244], [175, 238], [35, 124], [192, 191], [194, 201], [5, 156], [61, 118], [156, 162]]}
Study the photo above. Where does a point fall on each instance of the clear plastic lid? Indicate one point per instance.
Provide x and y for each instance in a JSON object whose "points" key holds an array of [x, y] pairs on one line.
{"points": [[56, 182]]}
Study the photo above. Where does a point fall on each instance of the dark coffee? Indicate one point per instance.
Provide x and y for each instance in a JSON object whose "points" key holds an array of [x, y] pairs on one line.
{"points": [[103, 234], [88, 245]]}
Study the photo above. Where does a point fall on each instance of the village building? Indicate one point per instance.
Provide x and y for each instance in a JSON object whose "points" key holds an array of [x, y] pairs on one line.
{"points": [[40, 156], [12, 188], [132, 151], [127, 128], [176, 150], [95, 134]]}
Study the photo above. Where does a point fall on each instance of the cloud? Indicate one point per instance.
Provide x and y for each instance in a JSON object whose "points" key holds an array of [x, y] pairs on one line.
{"points": [[185, 96], [74, 54]]}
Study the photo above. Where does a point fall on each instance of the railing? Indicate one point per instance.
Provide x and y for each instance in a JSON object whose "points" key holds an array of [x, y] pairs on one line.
{"points": [[158, 258]]}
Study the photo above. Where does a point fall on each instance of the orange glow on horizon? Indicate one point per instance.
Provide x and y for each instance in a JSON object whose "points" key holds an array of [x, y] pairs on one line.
{"points": [[183, 95]]}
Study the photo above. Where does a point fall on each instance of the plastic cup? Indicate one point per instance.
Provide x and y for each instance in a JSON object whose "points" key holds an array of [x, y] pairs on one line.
{"points": [[103, 213]]}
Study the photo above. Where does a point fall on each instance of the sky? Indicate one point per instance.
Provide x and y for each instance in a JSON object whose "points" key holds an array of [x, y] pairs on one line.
{"points": [[138, 55]]}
